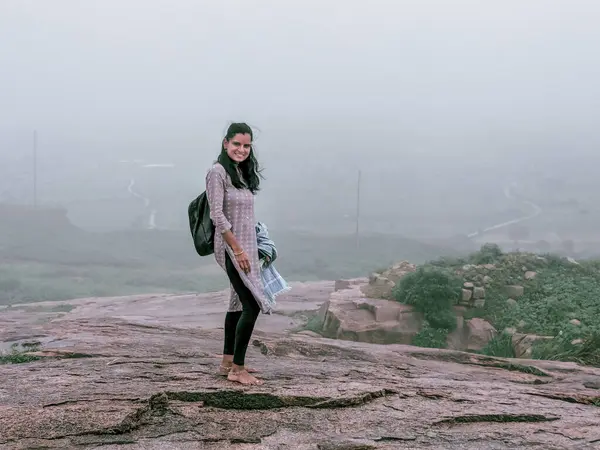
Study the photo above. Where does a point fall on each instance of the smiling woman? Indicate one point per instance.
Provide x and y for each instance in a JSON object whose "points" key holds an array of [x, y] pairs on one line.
{"points": [[231, 185]]}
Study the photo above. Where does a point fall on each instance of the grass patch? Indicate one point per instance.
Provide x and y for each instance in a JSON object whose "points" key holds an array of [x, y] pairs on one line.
{"points": [[500, 346], [431, 337], [314, 324], [18, 356], [562, 348]]}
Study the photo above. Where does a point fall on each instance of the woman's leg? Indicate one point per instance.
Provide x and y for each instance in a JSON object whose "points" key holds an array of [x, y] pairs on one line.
{"points": [[244, 327], [231, 320]]}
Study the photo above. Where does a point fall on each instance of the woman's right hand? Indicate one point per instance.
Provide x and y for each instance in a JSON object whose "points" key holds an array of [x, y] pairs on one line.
{"points": [[243, 260]]}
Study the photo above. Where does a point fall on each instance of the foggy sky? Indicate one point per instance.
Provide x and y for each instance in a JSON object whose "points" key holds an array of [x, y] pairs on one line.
{"points": [[388, 76]]}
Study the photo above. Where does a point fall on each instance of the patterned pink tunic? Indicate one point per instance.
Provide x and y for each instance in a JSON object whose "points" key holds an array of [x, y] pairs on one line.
{"points": [[233, 209]]}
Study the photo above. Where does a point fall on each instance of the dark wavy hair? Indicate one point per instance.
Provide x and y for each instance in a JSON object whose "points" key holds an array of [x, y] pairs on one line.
{"points": [[250, 169]]}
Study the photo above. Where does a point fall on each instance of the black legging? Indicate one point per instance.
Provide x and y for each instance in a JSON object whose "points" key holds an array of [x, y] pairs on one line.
{"points": [[239, 325]]}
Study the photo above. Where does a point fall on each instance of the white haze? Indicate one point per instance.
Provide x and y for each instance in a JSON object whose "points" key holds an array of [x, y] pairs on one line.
{"points": [[440, 103]]}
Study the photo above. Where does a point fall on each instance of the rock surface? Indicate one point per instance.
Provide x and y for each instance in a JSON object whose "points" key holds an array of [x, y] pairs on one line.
{"points": [[349, 315], [479, 333], [382, 284], [137, 373]]}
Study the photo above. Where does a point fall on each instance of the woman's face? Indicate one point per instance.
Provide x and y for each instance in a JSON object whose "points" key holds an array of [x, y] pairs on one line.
{"points": [[238, 147]]}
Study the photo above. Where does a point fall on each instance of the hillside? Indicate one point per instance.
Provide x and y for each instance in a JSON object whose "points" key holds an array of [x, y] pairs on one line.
{"points": [[492, 303]]}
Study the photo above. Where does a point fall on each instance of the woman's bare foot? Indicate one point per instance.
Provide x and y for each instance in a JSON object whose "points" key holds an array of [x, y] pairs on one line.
{"points": [[225, 368], [243, 377]]}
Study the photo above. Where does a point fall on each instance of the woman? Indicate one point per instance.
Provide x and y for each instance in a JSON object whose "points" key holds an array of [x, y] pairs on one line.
{"points": [[231, 185]]}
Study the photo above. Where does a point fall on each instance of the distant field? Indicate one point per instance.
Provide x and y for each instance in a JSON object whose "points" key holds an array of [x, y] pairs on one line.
{"points": [[46, 258]]}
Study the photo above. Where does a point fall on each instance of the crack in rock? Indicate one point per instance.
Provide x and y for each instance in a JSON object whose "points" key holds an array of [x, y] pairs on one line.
{"points": [[575, 398], [483, 361], [345, 445], [503, 418], [238, 400]]}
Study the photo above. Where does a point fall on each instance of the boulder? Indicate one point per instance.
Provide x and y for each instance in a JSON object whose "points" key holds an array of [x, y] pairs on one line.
{"points": [[478, 333], [575, 322], [511, 302], [514, 291], [398, 270], [349, 315], [478, 293], [479, 303], [530, 275], [467, 294], [381, 285]]}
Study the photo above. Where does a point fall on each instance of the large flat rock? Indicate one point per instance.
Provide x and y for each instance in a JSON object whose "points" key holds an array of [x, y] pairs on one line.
{"points": [[180, 310], [115, 381]]}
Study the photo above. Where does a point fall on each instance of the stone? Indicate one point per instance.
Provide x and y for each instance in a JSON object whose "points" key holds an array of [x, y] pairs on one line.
{"points": [[577, 342], [349, 315], [489, 266], [522, 324], [530, 275], [487, 280], [478, 293], [575, 322], [381, 285], [511, 302], [510, 330], [479, 303], [467, 294], [523, 343], [468, 285], [514, 291], [479, 333]]}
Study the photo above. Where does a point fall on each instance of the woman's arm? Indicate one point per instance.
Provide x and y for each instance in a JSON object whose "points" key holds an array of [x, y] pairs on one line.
{"points": [[215, 193]]}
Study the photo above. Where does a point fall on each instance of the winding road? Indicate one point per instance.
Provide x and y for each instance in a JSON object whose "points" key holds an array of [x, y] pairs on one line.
{"points": [[146, 200], [536, 211]]}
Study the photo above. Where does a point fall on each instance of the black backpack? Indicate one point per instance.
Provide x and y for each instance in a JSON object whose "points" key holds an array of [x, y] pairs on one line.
{"points": [[201, 226]]}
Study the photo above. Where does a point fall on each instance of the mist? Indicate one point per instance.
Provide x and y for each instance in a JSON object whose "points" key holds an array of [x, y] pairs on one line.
{"points": [[456, 116]]}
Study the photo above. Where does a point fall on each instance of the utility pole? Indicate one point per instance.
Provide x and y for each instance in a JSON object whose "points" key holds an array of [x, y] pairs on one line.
{"points": [[358, 208], [35, 201]]}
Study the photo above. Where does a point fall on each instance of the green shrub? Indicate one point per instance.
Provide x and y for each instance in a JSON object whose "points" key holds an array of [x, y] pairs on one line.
{"points": [[431, 337], [488, 254], [432, 292]]}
